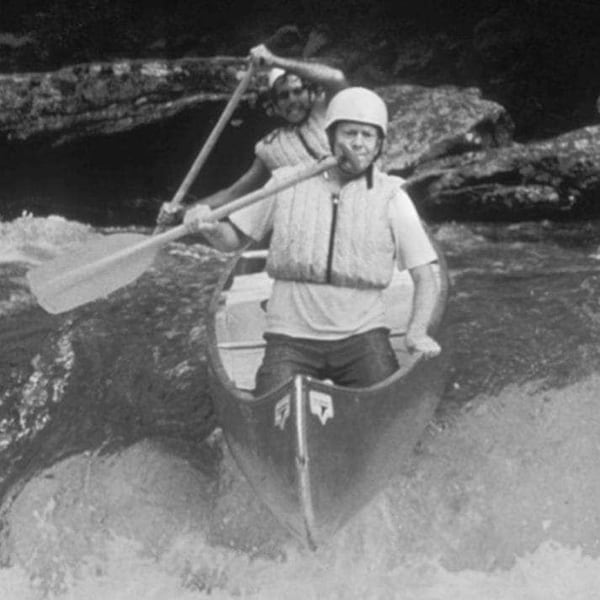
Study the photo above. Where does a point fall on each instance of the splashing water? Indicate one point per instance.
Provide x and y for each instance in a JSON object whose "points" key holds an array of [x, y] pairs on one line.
{"points": [[499, 503], [32, 239]]}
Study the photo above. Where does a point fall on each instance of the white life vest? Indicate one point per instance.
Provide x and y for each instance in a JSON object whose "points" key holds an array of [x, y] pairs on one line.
{"points": [[292, 145], [345, 240]]}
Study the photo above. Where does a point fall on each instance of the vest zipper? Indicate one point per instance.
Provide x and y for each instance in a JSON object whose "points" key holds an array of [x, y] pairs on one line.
{"points": [[335, 199]]}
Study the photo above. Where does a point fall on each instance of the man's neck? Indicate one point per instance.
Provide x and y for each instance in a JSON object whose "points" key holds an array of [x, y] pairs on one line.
{"points": [[341, 177]]}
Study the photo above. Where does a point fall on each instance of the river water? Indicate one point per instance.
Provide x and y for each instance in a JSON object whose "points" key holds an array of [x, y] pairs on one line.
{"points": [[499, 502]]}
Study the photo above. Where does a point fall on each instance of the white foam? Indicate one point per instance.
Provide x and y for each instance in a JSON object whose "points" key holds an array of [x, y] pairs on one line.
{"points": [[33, 240], [502, 505]]}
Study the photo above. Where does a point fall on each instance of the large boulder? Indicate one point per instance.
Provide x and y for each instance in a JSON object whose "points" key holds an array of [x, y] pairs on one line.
{"points": [[552, 178], [426, 123], [107, 98]]}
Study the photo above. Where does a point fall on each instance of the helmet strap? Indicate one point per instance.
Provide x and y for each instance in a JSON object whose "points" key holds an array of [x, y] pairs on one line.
{"points": [[367, 174]]}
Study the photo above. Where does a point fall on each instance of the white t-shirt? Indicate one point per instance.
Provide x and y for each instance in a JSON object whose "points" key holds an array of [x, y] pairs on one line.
{"points": [[328, 312]]}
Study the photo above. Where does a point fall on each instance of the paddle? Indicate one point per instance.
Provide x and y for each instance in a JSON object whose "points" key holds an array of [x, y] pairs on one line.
{"points": [[175, 203], [102, 266]]}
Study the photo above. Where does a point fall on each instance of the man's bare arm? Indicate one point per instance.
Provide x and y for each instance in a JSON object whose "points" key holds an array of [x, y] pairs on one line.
{"points": [[254, 178], [332, 80], [425, 295], [222, 235]]}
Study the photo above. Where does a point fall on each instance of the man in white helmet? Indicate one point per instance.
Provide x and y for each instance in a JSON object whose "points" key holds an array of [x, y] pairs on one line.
{"points": [[336, 239], [299, 92]]}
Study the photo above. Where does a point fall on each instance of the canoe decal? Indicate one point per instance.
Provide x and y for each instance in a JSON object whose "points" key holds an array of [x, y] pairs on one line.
{"points": [[282, 412], [321, 405]]}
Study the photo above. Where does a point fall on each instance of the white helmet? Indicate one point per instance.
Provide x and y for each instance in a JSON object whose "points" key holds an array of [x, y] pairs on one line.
{"points": [[357, 104], [274, 74]]}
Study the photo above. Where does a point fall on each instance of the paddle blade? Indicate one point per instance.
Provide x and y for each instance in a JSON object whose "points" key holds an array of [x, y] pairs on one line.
{"points": [[90, 271]]}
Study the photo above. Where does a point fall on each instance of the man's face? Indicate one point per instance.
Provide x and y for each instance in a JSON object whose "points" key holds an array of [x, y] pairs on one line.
{"points": [[291, 99], [362, 140]]}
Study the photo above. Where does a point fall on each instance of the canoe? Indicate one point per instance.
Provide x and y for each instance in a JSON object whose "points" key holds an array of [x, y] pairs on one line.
{"points": [[314, 452]]}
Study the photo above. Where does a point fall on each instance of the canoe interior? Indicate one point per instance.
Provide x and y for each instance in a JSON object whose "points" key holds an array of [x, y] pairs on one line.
{"points": [[241, 318]]}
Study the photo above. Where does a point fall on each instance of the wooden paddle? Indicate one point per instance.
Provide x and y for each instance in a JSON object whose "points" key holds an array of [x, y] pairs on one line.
{"points": [[102, 266], [175, 203]]}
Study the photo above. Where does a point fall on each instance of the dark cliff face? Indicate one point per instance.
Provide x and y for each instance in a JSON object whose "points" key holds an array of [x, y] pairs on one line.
{"points": [[538, 58]]}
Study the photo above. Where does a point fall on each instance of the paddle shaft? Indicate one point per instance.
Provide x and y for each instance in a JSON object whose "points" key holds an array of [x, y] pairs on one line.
{"points": [[247, 200], [219, 213], [213, 137]]}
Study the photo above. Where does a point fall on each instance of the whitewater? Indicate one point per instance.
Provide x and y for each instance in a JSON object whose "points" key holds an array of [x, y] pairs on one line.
{"points": [[499, 501]]}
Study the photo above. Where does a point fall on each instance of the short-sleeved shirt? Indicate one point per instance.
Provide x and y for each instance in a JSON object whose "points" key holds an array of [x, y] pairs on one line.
{"points": [[328, 312]]}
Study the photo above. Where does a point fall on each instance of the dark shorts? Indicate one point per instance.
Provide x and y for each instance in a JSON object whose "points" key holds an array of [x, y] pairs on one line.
{"points": [[356, 361]]}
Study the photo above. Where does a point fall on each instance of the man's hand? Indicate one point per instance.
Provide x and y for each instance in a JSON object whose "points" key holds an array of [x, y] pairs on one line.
{"points": [[198, 218], [262, 56], [348, 161], [421, 342], [169, 216]]}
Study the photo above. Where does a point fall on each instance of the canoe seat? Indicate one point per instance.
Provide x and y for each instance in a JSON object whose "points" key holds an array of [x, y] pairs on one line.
{"points": [[240, 323]]}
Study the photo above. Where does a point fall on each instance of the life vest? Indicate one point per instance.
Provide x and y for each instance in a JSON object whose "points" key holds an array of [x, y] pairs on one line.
{"points": [[292, 145], [343, 239]]}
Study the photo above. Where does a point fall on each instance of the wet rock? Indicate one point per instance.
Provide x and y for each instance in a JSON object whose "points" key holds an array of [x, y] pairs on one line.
{"points": [[426, 123], [546, 179], [106, 98]]}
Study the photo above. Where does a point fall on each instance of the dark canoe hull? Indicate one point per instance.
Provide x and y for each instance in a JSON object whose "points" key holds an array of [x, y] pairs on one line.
{"points": [[314, 452]]}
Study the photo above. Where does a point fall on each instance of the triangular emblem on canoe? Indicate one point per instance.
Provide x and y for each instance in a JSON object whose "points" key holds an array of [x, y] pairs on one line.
{"points": [[321, 405], [282, 412]]}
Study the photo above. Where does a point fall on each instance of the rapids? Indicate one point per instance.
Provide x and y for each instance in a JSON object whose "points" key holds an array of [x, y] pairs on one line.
{"points": [[499, 501]]}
